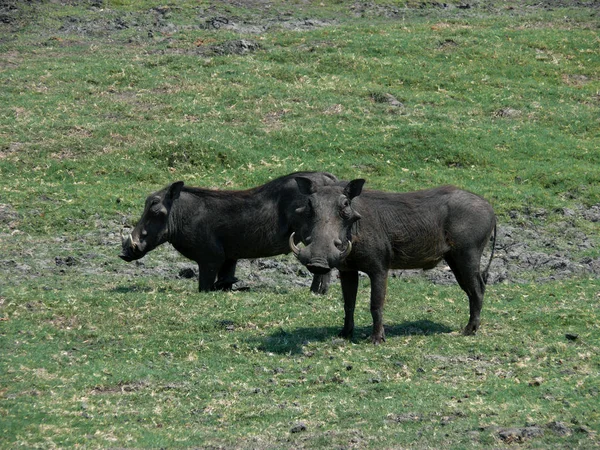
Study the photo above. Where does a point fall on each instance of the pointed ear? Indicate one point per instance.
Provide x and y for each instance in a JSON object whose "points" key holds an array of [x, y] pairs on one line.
{"points": [[174, 190], [354, 188], [306, 185]]}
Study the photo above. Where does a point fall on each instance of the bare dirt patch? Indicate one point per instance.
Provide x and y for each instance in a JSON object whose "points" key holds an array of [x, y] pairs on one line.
{"points": [[529, 248]]}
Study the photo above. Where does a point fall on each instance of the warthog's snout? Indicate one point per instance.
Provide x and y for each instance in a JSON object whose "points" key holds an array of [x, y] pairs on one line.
{"points": [[320, 265], [129, 248], [125, 255]]}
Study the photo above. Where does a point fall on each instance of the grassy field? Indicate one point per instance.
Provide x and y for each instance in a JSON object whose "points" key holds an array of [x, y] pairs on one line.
{"points": [[155, 364], [103, 102]]}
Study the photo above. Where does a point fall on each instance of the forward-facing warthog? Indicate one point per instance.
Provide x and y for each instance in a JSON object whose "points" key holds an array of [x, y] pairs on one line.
{"points": [[216, 228], [374, 231]]}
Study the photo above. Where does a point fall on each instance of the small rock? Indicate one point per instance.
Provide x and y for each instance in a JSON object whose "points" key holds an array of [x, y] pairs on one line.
{"points": [[510, 435], [536, 382], [507, 112], [240, 286], [386, 98], [234, 47], [393, 101], [68, 261], [572, 336], [568, 212], [187, 273], [405, 417], [559, 428], [299, 427], [229, 325]]}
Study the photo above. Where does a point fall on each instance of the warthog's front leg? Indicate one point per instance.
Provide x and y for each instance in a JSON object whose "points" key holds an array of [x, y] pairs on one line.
{"points": [[349, 282], [207, 273]]}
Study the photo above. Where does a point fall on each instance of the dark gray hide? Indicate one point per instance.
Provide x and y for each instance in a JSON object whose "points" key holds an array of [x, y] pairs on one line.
{"points": [[373, 231], [216, 228]]}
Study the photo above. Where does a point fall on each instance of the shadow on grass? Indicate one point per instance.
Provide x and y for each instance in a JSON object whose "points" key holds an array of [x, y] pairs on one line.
{"points": [[291, 342], [131, 289]]}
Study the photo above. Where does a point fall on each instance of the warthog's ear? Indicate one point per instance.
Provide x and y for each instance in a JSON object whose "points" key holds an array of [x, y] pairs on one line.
{"points": [[306, 185], [354, 188], [174, 190]]}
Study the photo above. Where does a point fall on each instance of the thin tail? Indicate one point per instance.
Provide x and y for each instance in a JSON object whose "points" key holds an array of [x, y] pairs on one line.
{"points": [[486, 272]]}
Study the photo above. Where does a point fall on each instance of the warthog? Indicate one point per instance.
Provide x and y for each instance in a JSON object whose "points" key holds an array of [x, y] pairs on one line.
{"points": [[373, 231], [216, 228]]}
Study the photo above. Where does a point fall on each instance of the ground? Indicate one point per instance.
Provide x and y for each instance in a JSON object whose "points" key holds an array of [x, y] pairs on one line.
{"points": [[532, 244]]}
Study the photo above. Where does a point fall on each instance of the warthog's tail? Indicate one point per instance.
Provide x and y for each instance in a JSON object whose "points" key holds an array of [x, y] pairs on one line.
{"points": [[486, 272]]}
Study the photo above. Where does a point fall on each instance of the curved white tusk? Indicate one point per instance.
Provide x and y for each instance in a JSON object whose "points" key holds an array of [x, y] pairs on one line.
{"points": [[133, 244], [346, 252], [293, 246]]}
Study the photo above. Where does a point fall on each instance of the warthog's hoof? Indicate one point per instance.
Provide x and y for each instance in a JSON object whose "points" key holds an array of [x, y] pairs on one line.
{"points": [[225, 284], [377, 339], [470, 329], [346, 334]]}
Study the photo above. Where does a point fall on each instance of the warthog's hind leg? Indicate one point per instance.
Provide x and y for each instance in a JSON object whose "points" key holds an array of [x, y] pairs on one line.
{"points": [[465, 267], [226, 277], [378, 291]]}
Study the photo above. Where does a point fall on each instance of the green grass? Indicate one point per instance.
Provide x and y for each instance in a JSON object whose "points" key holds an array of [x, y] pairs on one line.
{"points": [[306, 101], [146, 364], [498, 101]]}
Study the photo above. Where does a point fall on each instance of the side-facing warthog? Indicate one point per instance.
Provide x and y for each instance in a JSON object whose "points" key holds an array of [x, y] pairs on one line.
{"points": [[216, 228], [373, 231]]}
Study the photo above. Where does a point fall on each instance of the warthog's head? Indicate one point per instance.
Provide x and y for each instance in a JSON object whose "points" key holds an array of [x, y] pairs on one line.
{"points": [[324, 224], [153, 227]]}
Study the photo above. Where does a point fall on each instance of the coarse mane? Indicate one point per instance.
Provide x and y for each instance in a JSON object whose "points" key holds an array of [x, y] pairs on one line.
{"points": [[216, 193], [273, 184], [408, 220]]}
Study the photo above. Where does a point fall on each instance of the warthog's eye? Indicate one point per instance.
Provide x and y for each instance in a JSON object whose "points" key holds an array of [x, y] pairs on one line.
{"points": [[309, 209], [156, 207], [345, 209]]}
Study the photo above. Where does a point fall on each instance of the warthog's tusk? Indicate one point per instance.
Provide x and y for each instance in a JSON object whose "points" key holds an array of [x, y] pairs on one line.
{"points": [[293, 246], [128, 238], [125, 236], [346, 252]]}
